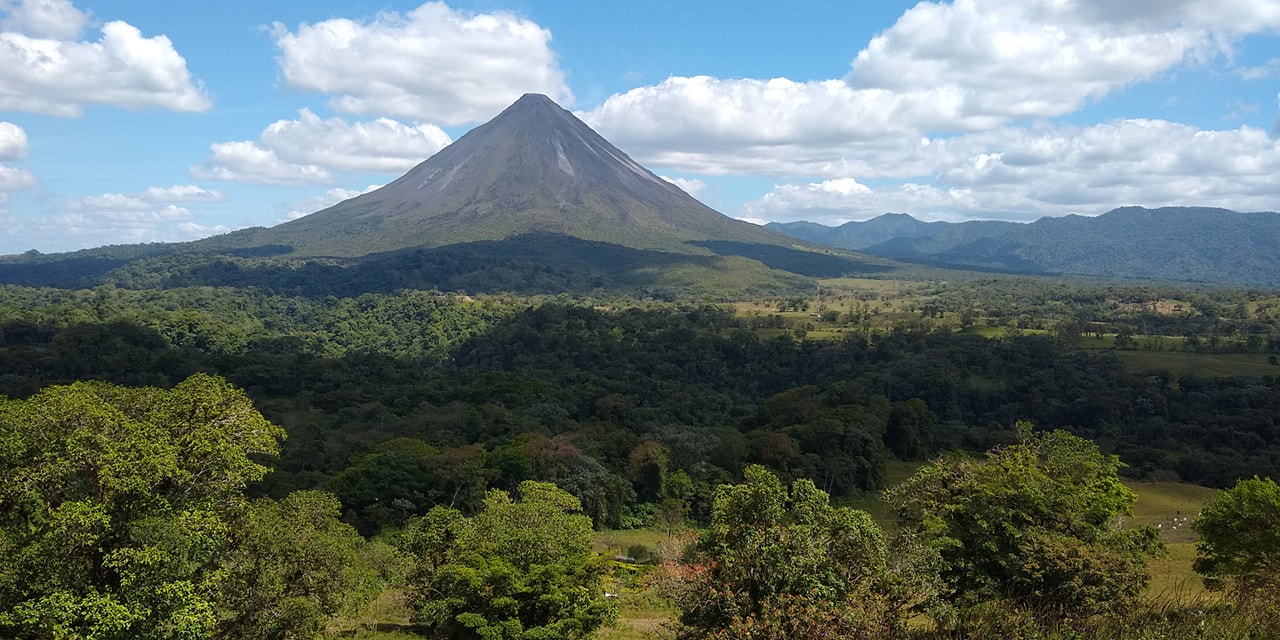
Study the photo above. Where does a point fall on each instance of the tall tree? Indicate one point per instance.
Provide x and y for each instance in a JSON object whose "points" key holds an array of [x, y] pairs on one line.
{"points": [[1239, 534], [1036, 522], [784, 563], [518, 570]]}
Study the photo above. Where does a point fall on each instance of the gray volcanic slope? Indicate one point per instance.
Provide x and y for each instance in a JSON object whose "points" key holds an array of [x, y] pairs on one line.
{"points": [[535, 168]]}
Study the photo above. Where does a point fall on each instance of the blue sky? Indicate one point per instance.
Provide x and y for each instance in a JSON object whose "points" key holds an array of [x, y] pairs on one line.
{"points": [[153, 120]]}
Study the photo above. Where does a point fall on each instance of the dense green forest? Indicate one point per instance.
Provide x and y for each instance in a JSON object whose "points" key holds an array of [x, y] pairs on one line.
{"points": [[421, 404], [633, 405]]}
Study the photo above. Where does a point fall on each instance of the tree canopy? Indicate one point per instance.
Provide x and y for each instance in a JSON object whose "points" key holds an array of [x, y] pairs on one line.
{"points": [[123, 516], [519, 569], [1036, 522], [1240, 533], [778, 562]]}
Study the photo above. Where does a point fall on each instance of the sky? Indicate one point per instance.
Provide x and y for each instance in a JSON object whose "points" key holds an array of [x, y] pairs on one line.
{"points": [[126, 121]]}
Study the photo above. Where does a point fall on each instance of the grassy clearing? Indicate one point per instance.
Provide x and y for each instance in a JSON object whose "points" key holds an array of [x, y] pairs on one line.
{"points": [[1171, 507], [616, 543], [386, 618], [1210, 365], [643, 615]]}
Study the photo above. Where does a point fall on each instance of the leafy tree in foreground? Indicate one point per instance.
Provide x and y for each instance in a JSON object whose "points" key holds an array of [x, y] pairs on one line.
{"points": [[518, 569], [779, 563], [122, 516], [1239, 534], [1035, 524], [292, 565]]}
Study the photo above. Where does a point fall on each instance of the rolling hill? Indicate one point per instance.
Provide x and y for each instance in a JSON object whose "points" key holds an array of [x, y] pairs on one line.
{"points": [[1182, 244]]}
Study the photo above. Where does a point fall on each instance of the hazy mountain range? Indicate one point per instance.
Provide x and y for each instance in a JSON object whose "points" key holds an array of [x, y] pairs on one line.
{"points": [[1185, 244]]}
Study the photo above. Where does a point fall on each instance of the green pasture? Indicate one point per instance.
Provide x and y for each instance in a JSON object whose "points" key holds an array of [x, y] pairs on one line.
{"points": [[1209, 365]]}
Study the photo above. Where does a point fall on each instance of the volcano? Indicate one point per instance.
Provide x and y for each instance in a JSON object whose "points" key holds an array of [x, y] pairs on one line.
{"points": [[534, 168]]}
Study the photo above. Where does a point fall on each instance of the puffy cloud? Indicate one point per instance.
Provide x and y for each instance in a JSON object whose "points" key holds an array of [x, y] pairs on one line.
{"points": [[247, 161], [942, 69], [691, 186], [14, 180], [382, 145], [304, 151], [433, 63], [53, 19], [182, 193], [1026, 58], [86, 227], [13, 142], [13, 146], [43, 71], [1024, 174], [775, 127], [145, 201], [149, 216], [295, 210]]}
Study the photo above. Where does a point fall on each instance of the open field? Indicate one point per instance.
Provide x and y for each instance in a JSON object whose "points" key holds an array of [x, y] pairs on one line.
{"points": [[1210, 365], [1171, 507]]}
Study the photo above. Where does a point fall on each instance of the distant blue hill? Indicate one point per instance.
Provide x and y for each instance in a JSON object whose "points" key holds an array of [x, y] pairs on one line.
{"points": [[1185, 244]]}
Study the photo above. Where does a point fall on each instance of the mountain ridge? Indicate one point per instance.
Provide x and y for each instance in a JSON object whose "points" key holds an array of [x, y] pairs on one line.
{"points": [[1187, 244]]}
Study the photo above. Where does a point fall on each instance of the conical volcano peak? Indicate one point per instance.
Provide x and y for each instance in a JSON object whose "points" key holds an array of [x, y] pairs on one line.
{"points": [[534, 98], [535, 167], [532, 103], [534, 110]]}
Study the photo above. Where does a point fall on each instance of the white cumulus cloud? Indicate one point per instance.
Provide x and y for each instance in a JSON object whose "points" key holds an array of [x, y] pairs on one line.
{"points": [[182, 193], [308, 149], [381, 145], [79, 229], [43, 70], [152, 215], [1027, 173], [433, 63], [53, 19], [295, 210], [951, 111], [247, 161], [13, 142], [13, 180], [691, 186], [13, 146]]}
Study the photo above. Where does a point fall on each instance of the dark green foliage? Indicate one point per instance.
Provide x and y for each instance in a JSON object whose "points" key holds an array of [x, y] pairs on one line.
{"points": [[122, 516], [910, 429], [289, 568], [784, 563], [1036, 522], [565, 393], [518, 570], [527, 264], [1239, 535]]}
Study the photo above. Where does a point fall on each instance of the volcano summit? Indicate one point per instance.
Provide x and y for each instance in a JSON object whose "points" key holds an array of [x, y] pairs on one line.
{"points": [[534, 168]]}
